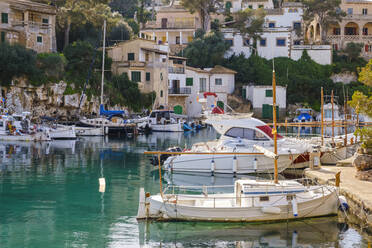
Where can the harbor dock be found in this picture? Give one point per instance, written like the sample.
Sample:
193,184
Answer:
357,192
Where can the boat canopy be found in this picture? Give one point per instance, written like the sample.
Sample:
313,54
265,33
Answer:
304,117
102,111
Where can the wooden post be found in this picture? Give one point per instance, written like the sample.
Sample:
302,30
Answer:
333,118
160,183
275,131
357,122
345,113
286,126
322,115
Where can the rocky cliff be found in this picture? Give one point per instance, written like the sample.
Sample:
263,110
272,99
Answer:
49,100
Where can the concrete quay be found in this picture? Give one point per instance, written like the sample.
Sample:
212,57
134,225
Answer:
358,193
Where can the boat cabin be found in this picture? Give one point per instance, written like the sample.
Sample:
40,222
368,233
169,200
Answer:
163,117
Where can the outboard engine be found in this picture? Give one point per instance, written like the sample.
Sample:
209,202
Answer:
163,157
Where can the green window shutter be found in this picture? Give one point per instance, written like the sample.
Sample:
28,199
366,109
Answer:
269,93
45,21
189,81
4,17
39,39
136,76
130,56
3,34
148,76
244,92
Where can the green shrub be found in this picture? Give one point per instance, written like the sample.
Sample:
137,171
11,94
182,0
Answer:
16,61
52,65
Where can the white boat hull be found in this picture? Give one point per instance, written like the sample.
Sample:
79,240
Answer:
167,127
196,208
224,164
89,131
41,136
63,133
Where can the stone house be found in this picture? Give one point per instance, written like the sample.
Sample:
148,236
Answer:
145,62
355,27
174,26
261,98
28,23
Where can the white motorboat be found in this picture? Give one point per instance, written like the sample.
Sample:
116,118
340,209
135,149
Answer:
327,108
15,129
238,136
90,131
62,132
251,201
164,121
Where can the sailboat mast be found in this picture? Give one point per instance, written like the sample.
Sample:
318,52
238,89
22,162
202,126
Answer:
322,114
333,118
275,130
103,59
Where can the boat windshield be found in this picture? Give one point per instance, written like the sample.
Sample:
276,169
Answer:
268,131
246,133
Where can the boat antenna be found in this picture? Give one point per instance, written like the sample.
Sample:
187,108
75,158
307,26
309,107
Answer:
103,59
274,127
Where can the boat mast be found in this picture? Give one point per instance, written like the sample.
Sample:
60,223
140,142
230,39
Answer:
103,59
333,118
274,130
322,114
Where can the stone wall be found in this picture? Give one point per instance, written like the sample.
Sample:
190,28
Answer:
344,77
47,100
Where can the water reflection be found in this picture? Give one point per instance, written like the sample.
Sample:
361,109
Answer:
49,197
322,232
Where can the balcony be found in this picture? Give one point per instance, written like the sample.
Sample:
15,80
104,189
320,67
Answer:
356,37
176,70
179,91
132,64
170,25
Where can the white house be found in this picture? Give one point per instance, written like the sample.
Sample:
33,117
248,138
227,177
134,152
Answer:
236,5
261,98
281,37
218,80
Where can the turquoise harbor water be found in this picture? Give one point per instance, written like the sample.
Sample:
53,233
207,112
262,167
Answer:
49,197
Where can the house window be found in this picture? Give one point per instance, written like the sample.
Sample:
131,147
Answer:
203,84
336,31
250,6
228,5
189,81
269,93
4,17
365,31
246,42
148,76
280,42
39,39
350,11
263,42
260,6
136,76
45,21
297,25
350,31
3,34
264,198
147,57
161,76
161,93
365,11
297,42
335,47
230,42
218,81
130,56
271,24
178,39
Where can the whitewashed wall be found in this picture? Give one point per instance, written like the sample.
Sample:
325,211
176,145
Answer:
322,54
257,95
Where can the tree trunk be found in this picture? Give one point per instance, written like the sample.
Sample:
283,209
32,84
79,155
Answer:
67,32
323,34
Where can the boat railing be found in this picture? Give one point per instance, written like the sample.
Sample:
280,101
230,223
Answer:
266,188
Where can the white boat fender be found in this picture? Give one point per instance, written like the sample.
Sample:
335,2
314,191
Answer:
255,164
141,214
102,184
270,210
294,238
343,203
294,207
213,167
235,165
